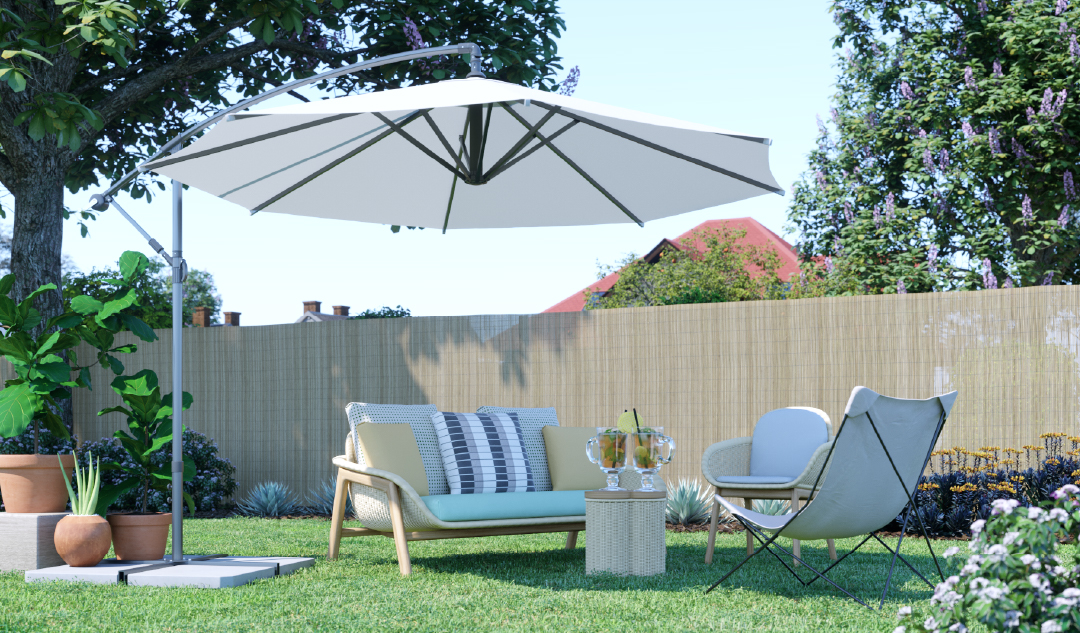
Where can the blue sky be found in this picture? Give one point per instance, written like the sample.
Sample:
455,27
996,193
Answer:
753,67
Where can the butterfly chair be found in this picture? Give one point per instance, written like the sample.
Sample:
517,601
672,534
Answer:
880,451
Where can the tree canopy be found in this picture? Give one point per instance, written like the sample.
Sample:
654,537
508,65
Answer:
949,158
89,88
713,265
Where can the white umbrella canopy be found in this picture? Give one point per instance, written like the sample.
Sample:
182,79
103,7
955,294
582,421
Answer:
471,153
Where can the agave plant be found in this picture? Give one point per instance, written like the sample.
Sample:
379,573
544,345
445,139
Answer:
85,501
320,499
774,507
269,499
688,503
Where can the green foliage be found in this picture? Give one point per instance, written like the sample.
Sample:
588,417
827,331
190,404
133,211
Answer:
951,147
46,365
773,507
320,499
385,312
84,502
689,503
152,292
112,81
149,419
1014,579
269,499
722,268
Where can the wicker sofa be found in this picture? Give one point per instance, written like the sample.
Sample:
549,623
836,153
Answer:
386,505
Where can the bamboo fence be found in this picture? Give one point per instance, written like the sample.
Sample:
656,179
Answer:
274,396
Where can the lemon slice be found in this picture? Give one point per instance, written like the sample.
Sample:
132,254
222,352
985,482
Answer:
626,422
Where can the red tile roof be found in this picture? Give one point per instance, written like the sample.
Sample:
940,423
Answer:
756,235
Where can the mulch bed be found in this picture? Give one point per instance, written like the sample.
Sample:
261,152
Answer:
704,527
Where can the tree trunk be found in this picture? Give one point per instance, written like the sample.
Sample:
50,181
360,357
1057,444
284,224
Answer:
39,234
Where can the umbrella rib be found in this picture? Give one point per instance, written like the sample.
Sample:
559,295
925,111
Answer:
665,150
249,141
420,146
498,166
446,143
532,149
407,120
579,170
453,185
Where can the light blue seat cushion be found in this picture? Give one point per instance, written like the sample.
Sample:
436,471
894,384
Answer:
507,505
784,441
754,480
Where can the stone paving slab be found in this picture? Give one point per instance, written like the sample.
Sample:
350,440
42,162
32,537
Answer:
217,573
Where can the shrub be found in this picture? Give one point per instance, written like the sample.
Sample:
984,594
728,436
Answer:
320,499
213,481
774,507
963,484
269,499
1013,580
688,503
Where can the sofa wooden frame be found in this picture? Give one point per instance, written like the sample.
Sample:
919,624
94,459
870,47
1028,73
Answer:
402,538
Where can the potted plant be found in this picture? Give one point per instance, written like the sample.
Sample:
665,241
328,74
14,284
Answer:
83,538
46,370
141,535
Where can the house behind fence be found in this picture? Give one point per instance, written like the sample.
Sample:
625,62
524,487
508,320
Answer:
274,396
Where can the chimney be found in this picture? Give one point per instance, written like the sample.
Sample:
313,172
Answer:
312,306
341,310
232,318
202,316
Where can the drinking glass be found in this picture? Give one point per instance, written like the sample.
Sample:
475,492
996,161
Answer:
648,443
611,443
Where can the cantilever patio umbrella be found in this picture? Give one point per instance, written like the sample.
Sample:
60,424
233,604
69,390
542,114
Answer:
468,153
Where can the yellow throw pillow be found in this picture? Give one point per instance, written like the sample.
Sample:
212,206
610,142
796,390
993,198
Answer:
392,447
570,469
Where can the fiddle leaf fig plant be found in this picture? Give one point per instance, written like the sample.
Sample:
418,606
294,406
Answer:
149,419
44,358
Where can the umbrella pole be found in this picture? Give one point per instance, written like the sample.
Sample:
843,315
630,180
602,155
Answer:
178,274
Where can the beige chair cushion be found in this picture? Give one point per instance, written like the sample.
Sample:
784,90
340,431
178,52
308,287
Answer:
393,447
570,469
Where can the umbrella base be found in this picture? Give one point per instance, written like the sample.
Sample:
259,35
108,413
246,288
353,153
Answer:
210,572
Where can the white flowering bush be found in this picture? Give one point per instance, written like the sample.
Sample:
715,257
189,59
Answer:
1013,580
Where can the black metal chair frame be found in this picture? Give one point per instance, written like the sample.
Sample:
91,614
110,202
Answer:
769,542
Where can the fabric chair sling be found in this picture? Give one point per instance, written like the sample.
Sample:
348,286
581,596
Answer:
881,449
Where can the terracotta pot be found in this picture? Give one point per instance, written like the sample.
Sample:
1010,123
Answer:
140,536
82,541
34,483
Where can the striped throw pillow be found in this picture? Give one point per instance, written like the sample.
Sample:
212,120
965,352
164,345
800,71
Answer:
483,452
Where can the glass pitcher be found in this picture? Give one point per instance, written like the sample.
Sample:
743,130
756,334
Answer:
611,444
648,453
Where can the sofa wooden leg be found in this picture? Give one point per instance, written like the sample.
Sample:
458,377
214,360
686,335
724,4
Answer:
714,523
571,540
795,542
338,517
401,543
749,503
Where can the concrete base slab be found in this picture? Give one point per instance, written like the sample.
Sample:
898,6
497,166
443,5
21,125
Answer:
27,540
216,573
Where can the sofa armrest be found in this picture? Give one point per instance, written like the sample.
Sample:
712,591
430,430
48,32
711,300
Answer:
816,464
730,458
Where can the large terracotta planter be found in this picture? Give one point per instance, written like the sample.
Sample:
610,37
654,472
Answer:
34,483
140,536
82,541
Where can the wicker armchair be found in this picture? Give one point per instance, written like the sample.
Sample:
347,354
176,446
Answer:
735,469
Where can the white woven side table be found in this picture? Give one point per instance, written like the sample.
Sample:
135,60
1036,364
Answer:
624,532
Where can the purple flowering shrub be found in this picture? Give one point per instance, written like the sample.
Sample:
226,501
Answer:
1013,580
213,481
963,485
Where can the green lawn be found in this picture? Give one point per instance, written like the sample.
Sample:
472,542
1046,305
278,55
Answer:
506,583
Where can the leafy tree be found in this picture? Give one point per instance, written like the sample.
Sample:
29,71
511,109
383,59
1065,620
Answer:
92,87
950,156
153,292
723,268
385,312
